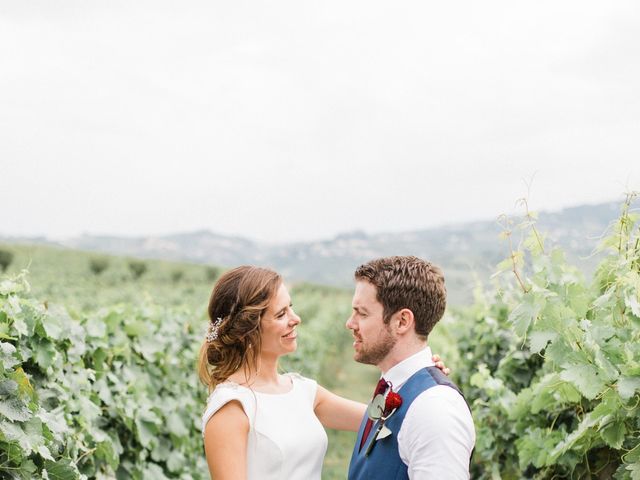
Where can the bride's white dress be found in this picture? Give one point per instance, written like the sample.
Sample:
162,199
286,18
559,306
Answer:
286,439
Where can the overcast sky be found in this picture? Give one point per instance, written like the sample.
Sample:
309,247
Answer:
290,120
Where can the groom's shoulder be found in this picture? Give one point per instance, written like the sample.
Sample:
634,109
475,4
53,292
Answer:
440,410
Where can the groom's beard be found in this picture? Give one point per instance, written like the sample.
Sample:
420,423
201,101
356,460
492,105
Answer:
374,353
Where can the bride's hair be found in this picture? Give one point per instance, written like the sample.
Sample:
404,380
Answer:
237,303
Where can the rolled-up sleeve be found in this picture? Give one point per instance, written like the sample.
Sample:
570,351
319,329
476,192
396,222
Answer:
437,436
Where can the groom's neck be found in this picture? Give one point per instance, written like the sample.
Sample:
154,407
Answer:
400,352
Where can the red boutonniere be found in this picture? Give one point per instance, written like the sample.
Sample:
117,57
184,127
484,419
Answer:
381,408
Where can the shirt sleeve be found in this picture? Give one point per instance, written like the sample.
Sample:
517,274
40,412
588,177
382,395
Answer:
437,435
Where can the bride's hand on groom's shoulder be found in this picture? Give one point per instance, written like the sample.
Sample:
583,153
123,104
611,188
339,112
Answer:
440,364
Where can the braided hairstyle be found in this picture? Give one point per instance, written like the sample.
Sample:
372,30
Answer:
239,299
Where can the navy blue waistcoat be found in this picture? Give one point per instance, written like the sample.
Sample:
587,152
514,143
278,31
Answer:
383,462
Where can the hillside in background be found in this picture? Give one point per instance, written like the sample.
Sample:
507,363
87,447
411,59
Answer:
467,252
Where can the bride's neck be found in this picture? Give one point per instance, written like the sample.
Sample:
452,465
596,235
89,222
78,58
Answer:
265,374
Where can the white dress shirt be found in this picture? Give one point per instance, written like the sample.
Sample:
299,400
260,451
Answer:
437,434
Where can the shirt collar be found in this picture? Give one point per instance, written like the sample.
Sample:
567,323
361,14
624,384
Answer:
401,372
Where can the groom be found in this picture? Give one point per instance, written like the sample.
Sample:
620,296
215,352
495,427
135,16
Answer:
418,425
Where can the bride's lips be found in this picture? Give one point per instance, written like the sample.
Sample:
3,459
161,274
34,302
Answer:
291,335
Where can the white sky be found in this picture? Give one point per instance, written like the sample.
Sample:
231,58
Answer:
290,120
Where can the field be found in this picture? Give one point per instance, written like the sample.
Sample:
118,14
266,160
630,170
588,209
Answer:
97,376
167,301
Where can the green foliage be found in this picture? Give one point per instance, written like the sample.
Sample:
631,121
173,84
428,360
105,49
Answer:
110,390
212,273
97,265
100,395
6,257
176,275
551,363
137,268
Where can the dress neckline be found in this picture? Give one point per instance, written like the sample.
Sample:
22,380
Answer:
291,376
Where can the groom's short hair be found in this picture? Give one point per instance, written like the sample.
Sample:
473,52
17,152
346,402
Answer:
407,282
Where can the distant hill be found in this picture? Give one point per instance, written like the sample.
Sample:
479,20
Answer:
466,251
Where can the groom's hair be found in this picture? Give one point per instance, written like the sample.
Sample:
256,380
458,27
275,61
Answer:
407,282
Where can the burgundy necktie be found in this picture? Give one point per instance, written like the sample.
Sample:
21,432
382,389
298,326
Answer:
380,389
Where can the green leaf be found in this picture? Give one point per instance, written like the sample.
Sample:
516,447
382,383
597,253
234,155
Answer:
7,355
14,409
147,432
14,433
523,315
627,387
20,327
45,354
7,387
631,301
105,451
539,340
614,434
61,470
584,429
44,452
136,328
176,426
585,378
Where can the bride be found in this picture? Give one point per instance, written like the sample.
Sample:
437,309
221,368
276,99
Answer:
259,424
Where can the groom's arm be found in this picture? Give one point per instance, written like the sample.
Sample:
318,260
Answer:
437,436
337,412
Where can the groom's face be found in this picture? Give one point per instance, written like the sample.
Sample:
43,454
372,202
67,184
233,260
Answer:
373,339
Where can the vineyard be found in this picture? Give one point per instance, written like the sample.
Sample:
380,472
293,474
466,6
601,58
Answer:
97,363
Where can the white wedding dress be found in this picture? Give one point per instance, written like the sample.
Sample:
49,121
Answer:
286,440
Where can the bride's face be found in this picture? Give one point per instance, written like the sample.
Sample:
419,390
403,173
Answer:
279,324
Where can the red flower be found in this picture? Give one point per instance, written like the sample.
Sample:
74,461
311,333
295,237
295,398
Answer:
392,401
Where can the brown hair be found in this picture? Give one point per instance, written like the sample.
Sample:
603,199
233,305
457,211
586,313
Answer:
407,282
239,299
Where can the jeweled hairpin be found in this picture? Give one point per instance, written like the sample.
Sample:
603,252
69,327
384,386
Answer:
212,330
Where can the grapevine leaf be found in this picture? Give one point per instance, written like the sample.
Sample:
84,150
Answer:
45,354
627,387
539,340
585,378
13,306
147,432
614,434
44,452
20,327
176,426
52,327
106,451
7,387
635,470
14,433
584,428
154,471
7,357
14,409
522,316
61,470
24,386
631,301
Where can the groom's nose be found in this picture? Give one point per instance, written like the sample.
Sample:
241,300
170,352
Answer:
349,323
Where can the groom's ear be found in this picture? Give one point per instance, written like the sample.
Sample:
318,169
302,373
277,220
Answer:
406,321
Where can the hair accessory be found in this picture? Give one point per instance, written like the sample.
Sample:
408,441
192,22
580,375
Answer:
212,331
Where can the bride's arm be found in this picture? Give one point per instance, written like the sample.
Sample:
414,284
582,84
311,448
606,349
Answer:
337,412
225,443
341,413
